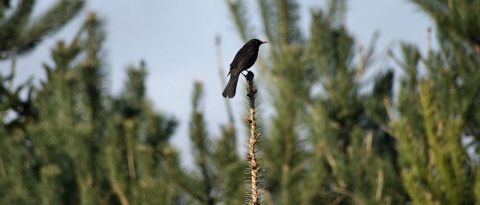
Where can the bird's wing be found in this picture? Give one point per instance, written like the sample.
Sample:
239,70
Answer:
240,57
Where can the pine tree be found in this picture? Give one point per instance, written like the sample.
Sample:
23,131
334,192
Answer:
83,146
137,152
20,32
349,127
438,108
325,143
289,72
216,175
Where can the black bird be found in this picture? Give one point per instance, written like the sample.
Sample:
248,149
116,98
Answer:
244,59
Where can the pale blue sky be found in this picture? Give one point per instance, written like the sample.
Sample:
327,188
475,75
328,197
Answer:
176,39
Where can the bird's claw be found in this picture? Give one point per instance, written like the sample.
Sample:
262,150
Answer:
249,75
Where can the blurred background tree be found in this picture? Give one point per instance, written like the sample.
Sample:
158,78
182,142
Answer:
437,125
217,177
21,32
339,131
69,141
326,143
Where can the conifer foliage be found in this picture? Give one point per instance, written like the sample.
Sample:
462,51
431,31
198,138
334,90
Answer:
73,143
438,127
20,32
329,143
337,130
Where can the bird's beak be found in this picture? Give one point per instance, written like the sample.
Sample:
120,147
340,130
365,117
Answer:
263,42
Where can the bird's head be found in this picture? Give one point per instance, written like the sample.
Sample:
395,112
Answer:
256,42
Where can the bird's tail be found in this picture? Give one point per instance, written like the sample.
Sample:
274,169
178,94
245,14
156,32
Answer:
231,87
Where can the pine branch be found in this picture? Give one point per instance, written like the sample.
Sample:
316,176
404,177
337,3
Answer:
201,146
253,197
22,31
238,11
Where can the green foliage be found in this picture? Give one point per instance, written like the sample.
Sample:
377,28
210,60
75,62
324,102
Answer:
325,142
348,127
137,150
20,32
217,166
72,143
438,110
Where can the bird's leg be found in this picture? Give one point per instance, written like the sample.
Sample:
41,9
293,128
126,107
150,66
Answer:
244,74
249,76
